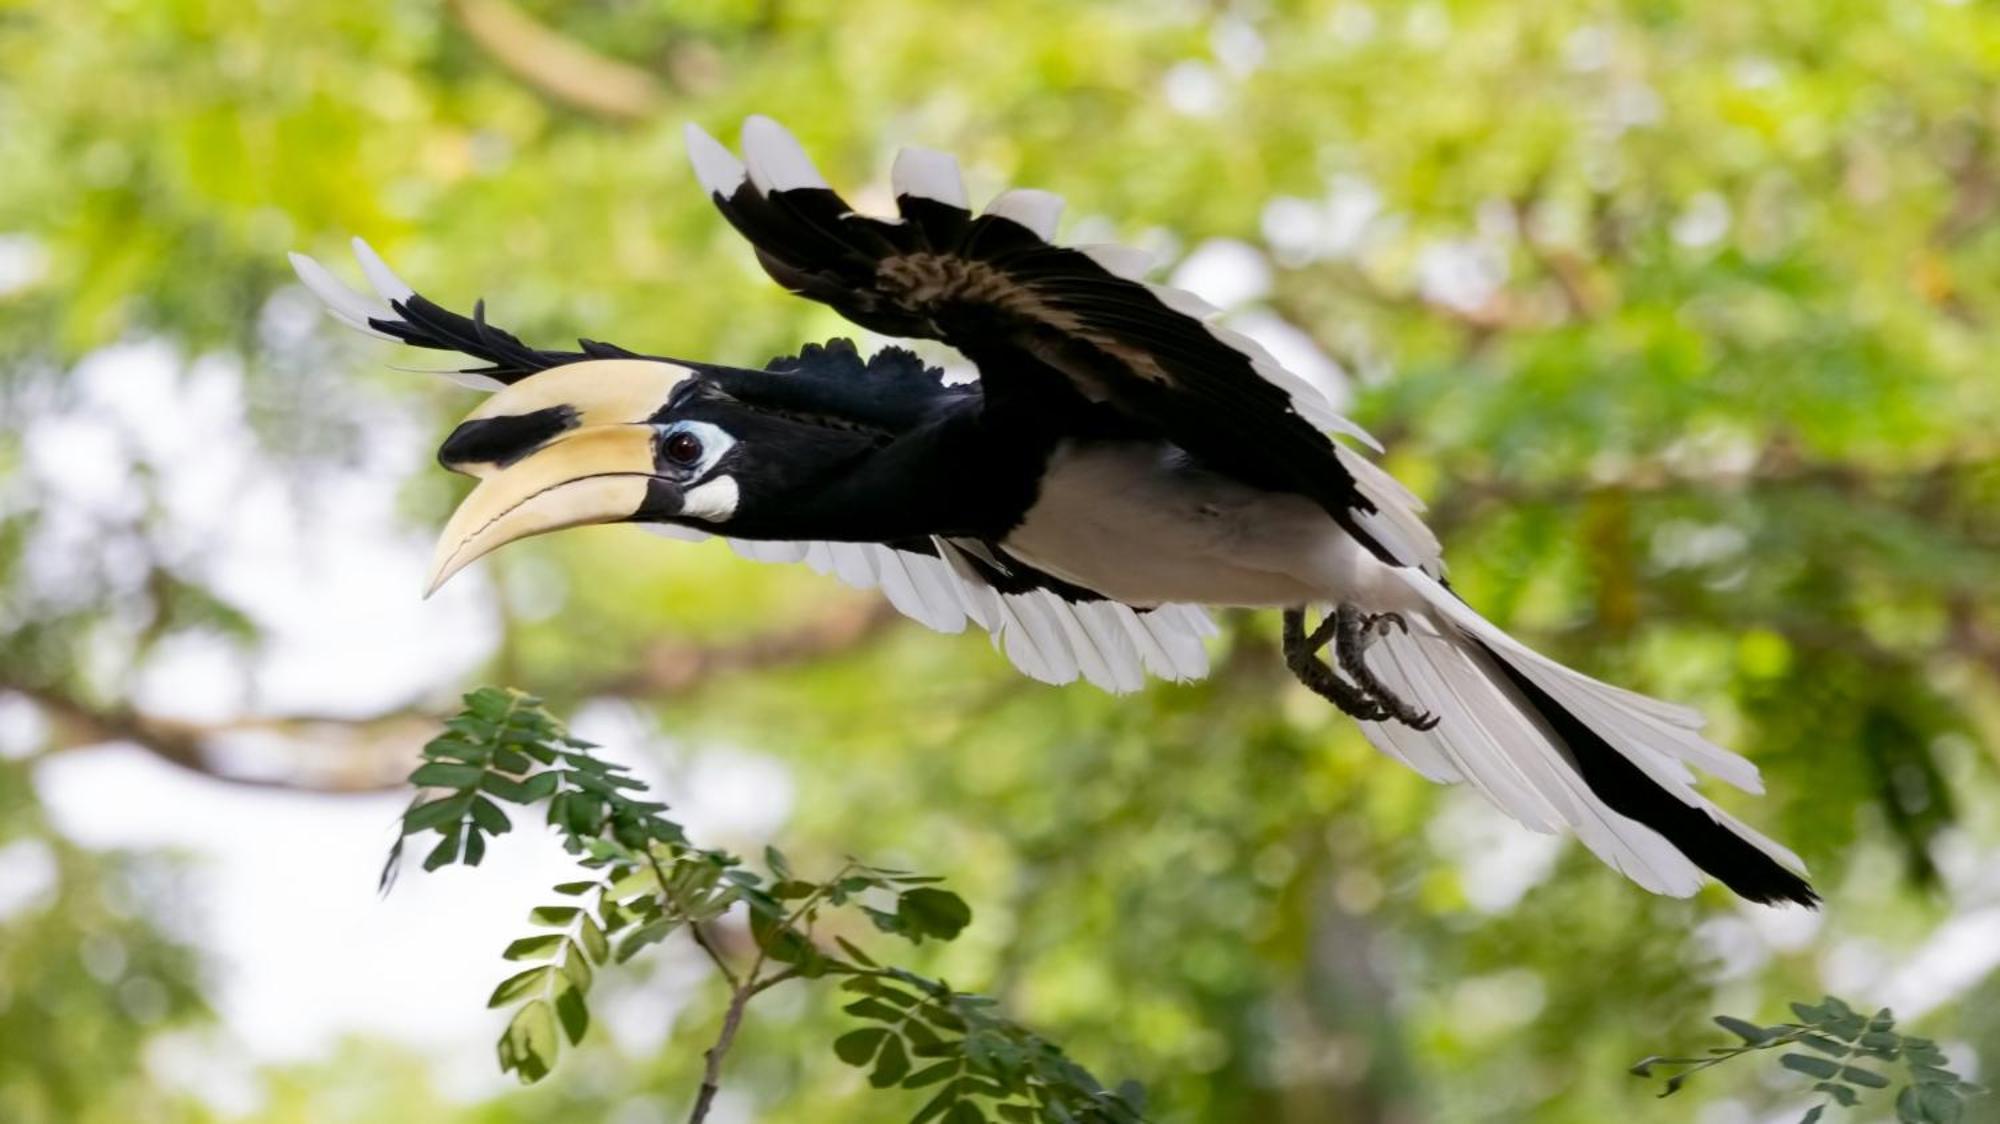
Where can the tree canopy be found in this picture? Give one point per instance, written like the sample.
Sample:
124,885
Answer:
1682,316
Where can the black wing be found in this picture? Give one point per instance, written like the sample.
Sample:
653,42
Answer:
1051,327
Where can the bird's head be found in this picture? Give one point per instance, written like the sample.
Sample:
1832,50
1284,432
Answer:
622,441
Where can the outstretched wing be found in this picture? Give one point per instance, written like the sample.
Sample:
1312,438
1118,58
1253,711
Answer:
1052,631
397,312
1049,325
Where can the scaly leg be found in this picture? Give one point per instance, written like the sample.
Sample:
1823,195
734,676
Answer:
1354,631
1302,656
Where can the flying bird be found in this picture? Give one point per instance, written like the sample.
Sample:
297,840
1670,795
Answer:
1121,461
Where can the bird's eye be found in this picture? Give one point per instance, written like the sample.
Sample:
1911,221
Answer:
683,448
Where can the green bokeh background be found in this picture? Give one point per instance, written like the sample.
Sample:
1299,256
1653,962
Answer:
1719,422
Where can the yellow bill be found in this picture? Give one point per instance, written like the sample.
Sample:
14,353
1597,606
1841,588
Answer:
597,474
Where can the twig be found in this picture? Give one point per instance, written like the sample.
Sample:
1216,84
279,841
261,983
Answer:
711,1074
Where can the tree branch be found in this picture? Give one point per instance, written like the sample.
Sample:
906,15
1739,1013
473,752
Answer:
338,754
558,67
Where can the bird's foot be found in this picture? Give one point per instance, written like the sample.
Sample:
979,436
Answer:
1366,697
1354,631
1302,656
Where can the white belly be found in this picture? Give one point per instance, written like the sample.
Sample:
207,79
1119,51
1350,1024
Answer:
1135,522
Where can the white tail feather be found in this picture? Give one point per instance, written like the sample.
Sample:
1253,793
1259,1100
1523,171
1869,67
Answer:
1493,737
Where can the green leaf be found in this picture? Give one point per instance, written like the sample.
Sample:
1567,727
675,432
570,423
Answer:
594,942
528,1046
1823,1044
576,966
1940,1104
489,817
573,1012
475,848
519,984
576,889
438,774
1748,1031
965,1112
1866,1078
873,1009
933,912
859,956
892,1064
555,915
509,789
857,1047
931,1074
1809,1065
774,859
644,935
940,1103
535,947
1847,1097
435,814
445,851
1813,1114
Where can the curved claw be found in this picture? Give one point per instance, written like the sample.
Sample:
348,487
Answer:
1354,631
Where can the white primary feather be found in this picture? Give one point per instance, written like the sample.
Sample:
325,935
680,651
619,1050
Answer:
1112,645
1129,262
715,167
387,285
775,159
342,303
757,550
928,174
1184,302
355,310
1039,211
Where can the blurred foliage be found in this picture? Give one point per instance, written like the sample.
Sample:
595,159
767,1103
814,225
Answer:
1681,313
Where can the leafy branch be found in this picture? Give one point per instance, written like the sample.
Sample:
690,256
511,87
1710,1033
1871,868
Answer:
647,882
1841,1039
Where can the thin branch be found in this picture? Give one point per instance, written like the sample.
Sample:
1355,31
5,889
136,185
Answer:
711,1075
668,669
371,753
558,67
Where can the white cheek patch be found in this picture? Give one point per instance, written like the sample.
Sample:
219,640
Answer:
713,502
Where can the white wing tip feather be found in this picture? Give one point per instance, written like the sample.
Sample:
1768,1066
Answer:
775,159
1039,211
1128,262
927,173
715,167
387,285
1186,303
342,303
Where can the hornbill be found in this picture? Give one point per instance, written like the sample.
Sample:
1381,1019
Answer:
1120,460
